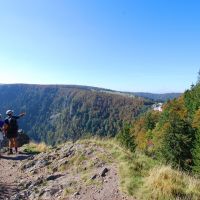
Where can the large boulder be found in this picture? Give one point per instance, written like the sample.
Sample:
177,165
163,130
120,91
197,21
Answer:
22,139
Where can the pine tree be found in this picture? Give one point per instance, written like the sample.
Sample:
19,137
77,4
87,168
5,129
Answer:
198,78
196,153
126,138
178,142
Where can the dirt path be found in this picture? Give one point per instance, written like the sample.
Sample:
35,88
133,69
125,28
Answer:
73,172
9,174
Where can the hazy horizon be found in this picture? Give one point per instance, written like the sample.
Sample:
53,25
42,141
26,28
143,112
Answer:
88,86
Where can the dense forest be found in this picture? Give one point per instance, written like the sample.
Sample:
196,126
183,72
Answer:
172,135
59,113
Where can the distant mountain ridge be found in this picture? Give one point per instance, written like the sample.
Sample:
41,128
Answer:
158,97
56,113
152,96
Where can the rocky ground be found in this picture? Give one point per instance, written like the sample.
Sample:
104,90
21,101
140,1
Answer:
69,172
9,174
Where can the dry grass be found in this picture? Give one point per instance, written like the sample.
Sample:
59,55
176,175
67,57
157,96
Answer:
165,183
35,147
70,189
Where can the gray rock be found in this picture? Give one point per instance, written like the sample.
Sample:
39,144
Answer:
32,196
94,177
76,193
18,197
55,169
61,162
31,157
53,177
103,172
49,192
67,151
28,165
37,182
27,184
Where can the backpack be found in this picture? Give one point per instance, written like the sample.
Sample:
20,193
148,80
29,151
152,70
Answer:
12,126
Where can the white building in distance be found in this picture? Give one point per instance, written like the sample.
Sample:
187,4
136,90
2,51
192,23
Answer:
157,107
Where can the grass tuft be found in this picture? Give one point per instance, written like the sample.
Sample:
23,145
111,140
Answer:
165,183
35,148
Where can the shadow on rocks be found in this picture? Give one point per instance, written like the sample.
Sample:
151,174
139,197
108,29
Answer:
6,191
15,157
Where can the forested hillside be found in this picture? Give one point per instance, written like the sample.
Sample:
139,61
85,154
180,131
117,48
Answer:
174,134
58,113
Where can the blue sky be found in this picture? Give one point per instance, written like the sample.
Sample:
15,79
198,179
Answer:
129,45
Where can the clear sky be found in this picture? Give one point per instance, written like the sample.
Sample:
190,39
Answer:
129,45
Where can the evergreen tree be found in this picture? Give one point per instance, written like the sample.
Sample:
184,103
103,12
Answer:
198,78
127,139
196,153
178,142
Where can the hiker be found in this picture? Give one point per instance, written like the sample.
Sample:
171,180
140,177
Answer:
1,132
11,129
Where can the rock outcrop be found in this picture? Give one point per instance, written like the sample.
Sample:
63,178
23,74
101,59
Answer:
72,171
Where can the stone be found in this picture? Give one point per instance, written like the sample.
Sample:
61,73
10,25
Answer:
103,172
53,177
94,177
76,193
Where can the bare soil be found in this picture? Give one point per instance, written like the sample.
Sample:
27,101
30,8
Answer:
9,174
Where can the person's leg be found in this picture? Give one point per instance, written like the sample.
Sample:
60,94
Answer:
10,145
15,144
0,146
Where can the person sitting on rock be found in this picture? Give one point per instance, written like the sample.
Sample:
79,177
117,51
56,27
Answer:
11,129
1,132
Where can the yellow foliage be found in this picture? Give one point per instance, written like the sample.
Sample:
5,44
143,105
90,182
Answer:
196,119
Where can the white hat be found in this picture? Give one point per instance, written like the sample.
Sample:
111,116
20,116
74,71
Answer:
9,112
